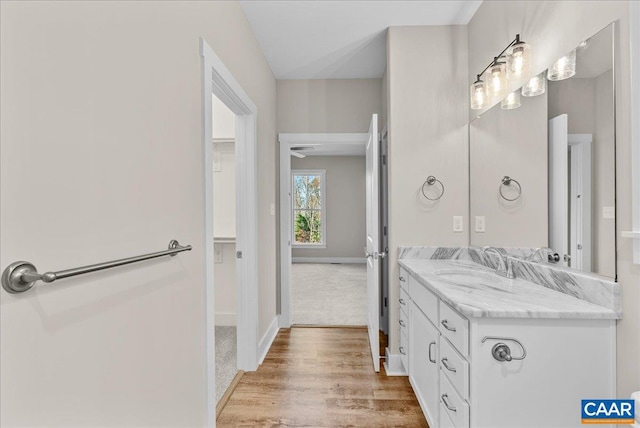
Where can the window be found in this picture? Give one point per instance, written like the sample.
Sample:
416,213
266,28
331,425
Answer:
309,219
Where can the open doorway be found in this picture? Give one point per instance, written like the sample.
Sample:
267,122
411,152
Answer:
224,246
328,273
218,81
305,160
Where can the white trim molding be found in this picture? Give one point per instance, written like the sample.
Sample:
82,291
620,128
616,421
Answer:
393,364
226,318
268,338
217,80
634,234
287,141
341,260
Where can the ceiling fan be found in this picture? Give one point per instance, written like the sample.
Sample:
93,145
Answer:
297,151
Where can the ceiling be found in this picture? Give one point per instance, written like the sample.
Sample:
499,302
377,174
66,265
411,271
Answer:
340,39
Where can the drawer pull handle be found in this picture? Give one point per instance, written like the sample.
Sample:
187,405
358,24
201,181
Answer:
445,363
402,302
402,279
402,323
402,350
445,324
445,400
433,360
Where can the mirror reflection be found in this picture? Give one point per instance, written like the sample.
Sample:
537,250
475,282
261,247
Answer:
542,162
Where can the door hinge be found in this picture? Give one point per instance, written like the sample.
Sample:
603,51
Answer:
385,302
384,230
384,159
238,254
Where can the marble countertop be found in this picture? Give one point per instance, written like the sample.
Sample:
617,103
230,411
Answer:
476,291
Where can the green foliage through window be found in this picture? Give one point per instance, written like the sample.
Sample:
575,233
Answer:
307,208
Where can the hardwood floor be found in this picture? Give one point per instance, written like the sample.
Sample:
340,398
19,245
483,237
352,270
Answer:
321,377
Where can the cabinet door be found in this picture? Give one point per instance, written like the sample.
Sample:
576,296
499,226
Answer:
423,367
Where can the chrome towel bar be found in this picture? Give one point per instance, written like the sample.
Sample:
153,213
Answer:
19,277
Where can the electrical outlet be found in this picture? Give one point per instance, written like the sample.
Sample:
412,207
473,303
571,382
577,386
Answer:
609,212
480,224
457,223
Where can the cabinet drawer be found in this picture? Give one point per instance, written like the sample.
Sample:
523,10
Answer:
404,301
455,368
404,351
445,420
454,327
424,299
452,404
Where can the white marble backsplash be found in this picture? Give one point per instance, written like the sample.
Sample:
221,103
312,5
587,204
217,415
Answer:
582,285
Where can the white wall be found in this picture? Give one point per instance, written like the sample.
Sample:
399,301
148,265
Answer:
336,105
427,88
101,158
512,143
552,29
345,205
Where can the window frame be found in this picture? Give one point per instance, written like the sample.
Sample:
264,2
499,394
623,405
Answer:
323,208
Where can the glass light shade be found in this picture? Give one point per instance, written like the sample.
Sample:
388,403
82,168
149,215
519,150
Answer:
563,68
519,60
478,94
496,78
511,101
537,85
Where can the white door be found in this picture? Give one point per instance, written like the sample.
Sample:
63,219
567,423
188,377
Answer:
559,187
372,248
580,199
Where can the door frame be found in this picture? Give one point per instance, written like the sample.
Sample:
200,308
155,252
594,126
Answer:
217,80
287,141
579,146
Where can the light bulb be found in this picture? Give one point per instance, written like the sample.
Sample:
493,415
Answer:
496,80
478,95
518,60
563,68
511,101
537,85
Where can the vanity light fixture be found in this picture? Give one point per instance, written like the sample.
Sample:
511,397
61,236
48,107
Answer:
537,85
563,68
514,61
511,101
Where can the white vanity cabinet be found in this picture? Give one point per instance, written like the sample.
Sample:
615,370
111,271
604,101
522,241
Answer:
454,368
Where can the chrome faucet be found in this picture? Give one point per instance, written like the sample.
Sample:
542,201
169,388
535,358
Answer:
505,267
539,253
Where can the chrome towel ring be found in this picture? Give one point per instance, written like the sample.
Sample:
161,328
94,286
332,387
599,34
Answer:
506,181
431,180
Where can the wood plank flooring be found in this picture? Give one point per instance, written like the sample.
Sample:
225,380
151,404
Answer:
321,377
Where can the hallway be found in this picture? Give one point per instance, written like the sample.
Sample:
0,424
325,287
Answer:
321,377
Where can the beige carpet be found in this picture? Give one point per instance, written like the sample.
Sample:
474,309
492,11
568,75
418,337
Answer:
329,294
226,359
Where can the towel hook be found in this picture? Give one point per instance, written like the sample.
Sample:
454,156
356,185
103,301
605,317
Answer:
431,180
506,181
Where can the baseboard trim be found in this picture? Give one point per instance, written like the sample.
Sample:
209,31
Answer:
329,260
393,364
227,394
226,319
267,339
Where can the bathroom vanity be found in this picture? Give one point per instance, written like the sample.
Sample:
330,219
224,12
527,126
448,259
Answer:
482,350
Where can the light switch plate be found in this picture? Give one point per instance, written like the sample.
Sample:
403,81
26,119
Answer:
272,209
480,224
457,223
609,212
217,253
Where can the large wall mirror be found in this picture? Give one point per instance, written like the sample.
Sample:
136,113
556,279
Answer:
542,174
